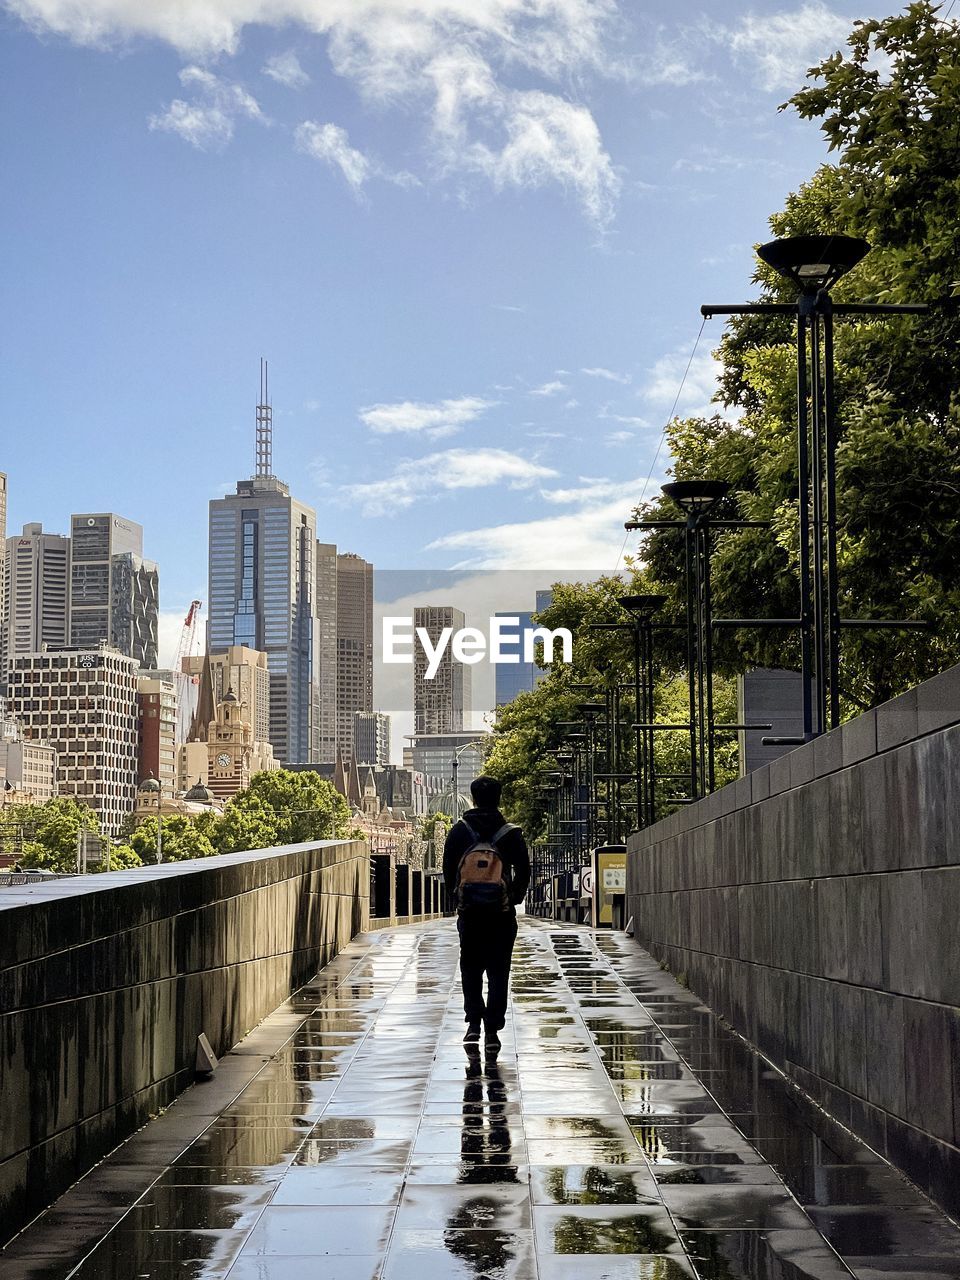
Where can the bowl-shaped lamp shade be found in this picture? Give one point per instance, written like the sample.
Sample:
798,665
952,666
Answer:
696,497
642,606
814,262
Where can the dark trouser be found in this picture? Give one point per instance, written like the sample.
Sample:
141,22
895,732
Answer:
486,946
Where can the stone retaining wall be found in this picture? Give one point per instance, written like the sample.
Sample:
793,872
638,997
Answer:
106,982
815,903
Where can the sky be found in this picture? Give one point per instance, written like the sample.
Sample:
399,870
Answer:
470,236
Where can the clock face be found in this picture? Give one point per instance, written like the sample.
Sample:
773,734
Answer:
223,760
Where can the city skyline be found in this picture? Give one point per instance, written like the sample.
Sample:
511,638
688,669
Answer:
480,371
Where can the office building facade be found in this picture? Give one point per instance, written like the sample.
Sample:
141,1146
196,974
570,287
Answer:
354,646
246,673
37,605
262,565
157,730
114,592
83,702
441,705
28,770
326,611
371,737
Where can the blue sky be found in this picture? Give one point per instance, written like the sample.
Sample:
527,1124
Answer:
470,236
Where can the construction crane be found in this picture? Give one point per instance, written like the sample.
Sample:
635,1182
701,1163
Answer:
186,682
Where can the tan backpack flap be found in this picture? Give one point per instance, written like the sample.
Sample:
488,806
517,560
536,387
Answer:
481,864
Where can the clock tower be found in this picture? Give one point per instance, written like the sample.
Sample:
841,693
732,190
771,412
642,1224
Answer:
229,749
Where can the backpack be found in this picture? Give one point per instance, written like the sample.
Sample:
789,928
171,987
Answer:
481,875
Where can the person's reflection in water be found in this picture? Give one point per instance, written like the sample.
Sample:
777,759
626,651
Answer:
486,1159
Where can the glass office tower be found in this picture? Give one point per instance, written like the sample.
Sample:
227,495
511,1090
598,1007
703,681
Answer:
262,595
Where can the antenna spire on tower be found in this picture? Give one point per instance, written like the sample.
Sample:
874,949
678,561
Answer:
264,426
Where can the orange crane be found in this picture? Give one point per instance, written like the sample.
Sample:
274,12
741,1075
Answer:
186,683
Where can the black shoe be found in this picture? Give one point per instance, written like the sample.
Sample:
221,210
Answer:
472,1038
491,1042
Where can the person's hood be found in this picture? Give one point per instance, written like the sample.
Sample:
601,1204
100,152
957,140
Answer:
485,822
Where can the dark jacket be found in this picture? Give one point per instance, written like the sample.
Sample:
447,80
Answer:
512,849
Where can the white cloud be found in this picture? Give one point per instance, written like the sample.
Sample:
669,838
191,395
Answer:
444,418
608,375
285,68
330,143
619,437
417,479
782,46
169,631
548,389
207,122
449,57
699,387
550,140
591,536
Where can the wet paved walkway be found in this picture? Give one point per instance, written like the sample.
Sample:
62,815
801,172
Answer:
623,1133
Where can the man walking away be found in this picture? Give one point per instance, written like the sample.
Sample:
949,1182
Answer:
486,868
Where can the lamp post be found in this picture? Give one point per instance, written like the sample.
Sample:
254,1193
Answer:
814,264
591,711
641,610
696,499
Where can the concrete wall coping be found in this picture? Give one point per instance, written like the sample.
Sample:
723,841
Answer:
102,882
924,710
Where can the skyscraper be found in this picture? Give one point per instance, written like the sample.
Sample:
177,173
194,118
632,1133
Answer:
326,611
371,737
440,705
512,678
84,704
113,590
354,646
262,573
37,606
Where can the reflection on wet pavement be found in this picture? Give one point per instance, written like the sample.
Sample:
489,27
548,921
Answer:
623,1133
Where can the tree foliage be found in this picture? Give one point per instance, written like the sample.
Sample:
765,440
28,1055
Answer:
277,808
889,106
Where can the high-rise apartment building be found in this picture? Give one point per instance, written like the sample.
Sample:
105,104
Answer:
440,704
263,554
371,737
83,702
37,607
113,590
354,646
326,611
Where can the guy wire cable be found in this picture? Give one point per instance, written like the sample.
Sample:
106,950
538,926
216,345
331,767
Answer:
663,436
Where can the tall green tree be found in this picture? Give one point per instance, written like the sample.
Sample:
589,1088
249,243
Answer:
889,106
283,807
50,831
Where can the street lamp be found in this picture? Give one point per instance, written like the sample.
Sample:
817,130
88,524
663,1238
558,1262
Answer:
814,264
154,787
697,499
641,609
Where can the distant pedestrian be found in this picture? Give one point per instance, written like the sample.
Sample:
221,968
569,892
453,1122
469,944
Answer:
486,868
